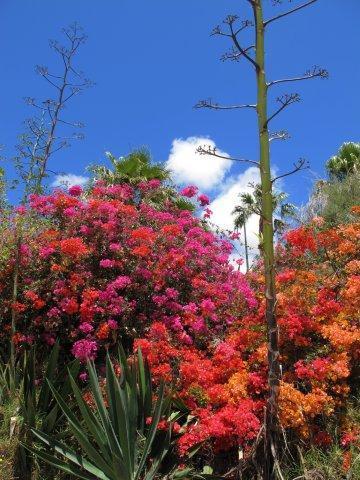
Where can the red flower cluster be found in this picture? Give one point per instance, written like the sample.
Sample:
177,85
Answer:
112,266
108,264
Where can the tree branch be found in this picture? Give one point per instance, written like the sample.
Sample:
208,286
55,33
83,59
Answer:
215,106
302,164
315,72
296,9
229,20
239,47
234,55
209,150
244,24
285,101
280,135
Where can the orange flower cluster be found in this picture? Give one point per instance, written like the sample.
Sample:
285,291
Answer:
319,310
318,305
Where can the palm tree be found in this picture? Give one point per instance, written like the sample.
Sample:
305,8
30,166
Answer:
251,204
134,169
345,162
137,168
242,216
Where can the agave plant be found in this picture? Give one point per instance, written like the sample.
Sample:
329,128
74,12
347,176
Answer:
37,406
9,381
118,438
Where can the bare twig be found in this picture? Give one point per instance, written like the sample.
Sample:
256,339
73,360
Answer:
280,135
230,20
41,140
234,55
215,106
301,164
285,101
209,150
314,72
289,12
240,48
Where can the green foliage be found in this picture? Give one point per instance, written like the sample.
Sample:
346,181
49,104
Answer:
9,381
37,406
114,439
319,464
340,197
183,204
251,204
334,462
134,168
333,200
345,162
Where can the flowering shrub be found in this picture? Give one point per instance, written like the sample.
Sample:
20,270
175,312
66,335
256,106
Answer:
225,385
110,266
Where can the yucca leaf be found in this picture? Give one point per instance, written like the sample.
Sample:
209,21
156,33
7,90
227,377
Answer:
104,416
134,414
72,370
142,381
148,393
29,408
44,396
152,431
120,469
54,416
65,467
111,395
183,473
119,415
143,390
164,448
50,420
91,421
78,432
123,362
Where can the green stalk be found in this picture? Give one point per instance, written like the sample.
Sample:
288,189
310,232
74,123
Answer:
246,248
267,249
13,311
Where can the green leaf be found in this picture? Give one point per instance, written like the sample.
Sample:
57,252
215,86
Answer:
104,417
157,461
73,457
152,431
78,432
65,467
44,396
91,421
119,416
183,473
207,470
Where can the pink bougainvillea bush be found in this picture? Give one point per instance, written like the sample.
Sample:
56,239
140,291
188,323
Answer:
107,265
319,317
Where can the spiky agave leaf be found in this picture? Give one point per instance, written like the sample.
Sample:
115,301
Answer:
114,438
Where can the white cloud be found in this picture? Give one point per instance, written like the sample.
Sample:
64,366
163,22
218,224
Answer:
187,166
223,205
68,180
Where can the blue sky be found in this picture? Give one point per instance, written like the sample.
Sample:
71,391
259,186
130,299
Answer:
152,60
